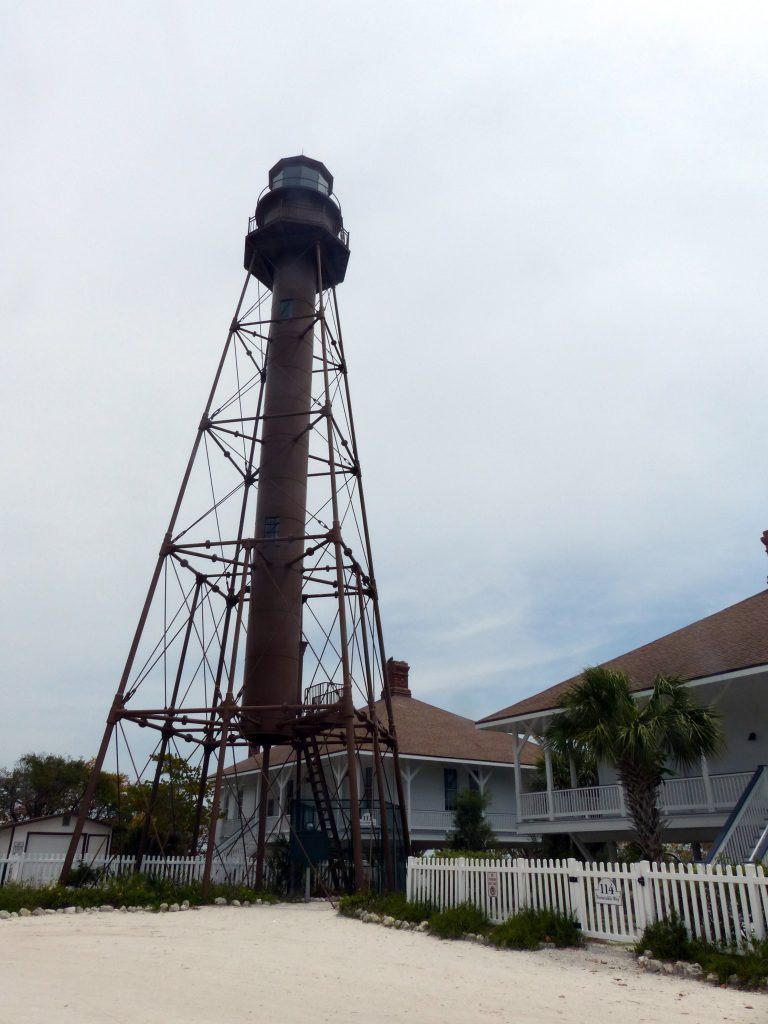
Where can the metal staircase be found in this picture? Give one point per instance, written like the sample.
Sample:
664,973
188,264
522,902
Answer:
337,862
744,837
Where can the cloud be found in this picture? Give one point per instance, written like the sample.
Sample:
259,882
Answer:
552,317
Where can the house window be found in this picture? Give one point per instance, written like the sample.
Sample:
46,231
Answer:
288,796
286,309
451,787
270,807
368,787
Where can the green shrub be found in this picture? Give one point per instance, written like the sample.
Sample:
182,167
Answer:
83,874
472,831
357,901
393,904
749,965
666,939
462,920
530,928
128,890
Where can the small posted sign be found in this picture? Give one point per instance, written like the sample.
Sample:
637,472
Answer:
492,884
607,891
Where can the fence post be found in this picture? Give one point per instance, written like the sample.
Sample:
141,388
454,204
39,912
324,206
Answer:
645,887
576,881
409,880
639,885
755,905
521,884
461,881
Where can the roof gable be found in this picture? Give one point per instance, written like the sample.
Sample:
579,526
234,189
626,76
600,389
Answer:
732,639
427,731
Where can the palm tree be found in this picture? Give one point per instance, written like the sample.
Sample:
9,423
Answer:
639,738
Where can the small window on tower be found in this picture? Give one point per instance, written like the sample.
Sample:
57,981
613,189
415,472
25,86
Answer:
271,527
286,309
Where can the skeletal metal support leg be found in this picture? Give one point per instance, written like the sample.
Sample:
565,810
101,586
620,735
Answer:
215,802
263,799
90,789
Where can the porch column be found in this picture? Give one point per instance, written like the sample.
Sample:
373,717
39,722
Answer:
707,783
282,810
339,771
572,770
481,777
409,773
516,746
550,780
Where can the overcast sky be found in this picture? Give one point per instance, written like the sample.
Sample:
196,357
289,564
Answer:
554,314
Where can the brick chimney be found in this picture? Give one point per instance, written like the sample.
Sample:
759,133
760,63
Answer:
397,674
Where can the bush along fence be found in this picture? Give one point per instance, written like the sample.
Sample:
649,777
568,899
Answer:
721,904
44,869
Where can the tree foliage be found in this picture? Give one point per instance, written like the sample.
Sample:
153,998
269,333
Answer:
43,784
584,762
50,784
471,828
170,828
639,738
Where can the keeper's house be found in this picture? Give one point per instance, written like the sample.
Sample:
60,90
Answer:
440,754
724,660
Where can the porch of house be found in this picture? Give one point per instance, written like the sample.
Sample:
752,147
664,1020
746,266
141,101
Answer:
699,802
428,827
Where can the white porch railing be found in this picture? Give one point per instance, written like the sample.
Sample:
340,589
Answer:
727,789
438,823
694,795
430,818
586,802
433,820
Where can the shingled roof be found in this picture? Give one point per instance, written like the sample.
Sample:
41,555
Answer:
424,730
728,641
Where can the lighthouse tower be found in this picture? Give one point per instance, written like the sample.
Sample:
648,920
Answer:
261,631
296,248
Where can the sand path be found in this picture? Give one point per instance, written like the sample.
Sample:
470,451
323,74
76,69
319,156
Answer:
292,963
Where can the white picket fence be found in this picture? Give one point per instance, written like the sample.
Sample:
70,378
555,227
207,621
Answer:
44,869
609,901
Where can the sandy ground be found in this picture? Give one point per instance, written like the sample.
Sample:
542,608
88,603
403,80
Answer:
291,963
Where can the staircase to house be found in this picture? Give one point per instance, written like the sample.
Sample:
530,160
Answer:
744,837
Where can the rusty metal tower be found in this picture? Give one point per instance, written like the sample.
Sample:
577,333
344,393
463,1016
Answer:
261,625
